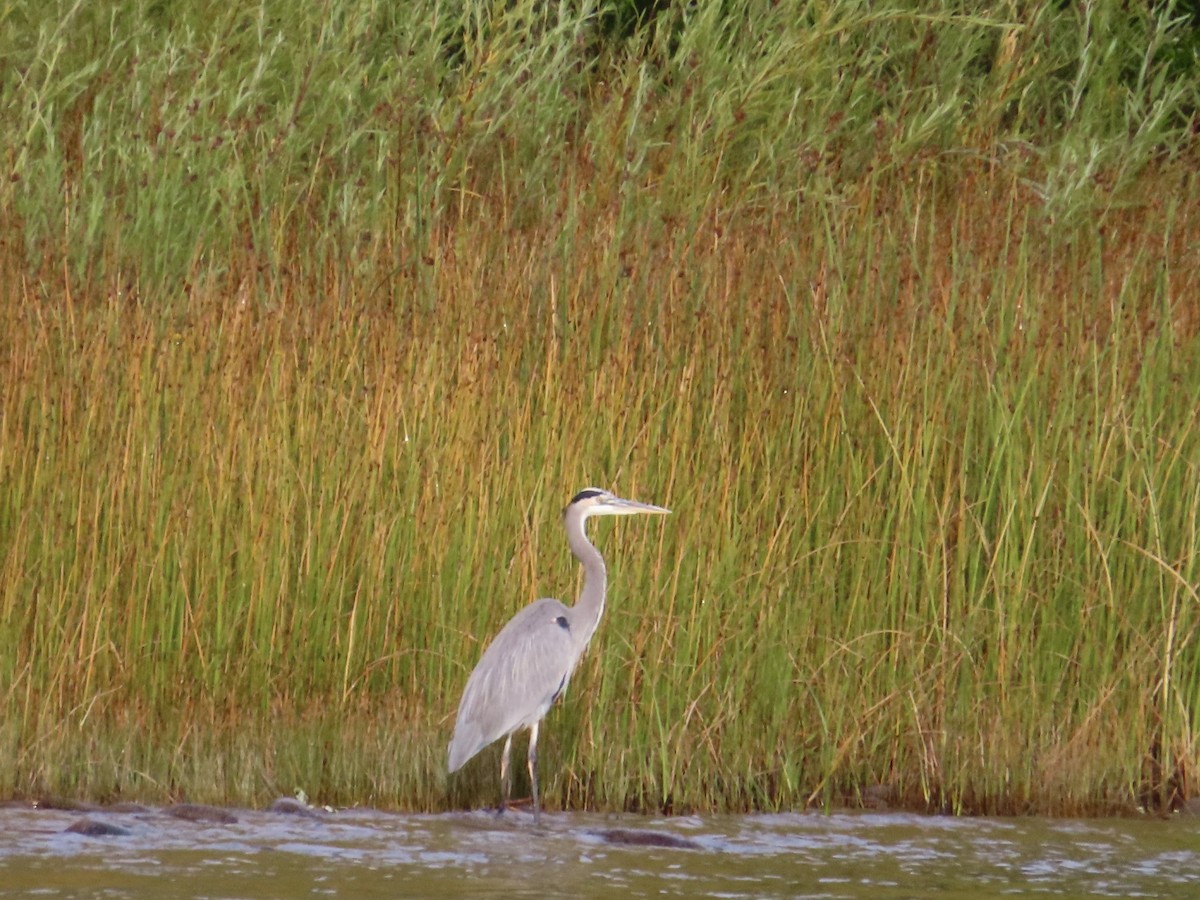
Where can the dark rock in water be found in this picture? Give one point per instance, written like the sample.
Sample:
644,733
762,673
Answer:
198,812
94,828
638,838
290,806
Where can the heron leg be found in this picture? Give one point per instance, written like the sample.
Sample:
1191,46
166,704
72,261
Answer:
505,773
533,785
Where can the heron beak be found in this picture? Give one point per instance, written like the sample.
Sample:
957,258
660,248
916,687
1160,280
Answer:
629,507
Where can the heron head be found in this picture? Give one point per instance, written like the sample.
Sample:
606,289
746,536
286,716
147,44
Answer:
596,502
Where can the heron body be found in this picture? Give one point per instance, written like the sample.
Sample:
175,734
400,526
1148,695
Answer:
529,663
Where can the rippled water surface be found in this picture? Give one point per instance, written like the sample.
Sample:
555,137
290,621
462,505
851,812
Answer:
365,853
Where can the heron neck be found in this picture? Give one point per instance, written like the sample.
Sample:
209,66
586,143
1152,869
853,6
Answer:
590,605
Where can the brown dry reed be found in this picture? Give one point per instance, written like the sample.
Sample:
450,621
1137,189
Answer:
312,321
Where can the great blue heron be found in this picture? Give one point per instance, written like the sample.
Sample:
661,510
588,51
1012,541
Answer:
528,664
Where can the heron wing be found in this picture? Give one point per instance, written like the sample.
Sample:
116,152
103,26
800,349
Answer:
521,673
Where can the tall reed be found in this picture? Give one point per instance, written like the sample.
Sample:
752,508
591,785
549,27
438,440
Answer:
312,322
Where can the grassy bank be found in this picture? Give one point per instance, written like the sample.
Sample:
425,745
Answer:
310,327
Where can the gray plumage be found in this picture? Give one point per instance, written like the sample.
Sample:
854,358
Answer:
529,663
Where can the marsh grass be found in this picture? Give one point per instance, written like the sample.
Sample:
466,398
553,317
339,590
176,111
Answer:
313,322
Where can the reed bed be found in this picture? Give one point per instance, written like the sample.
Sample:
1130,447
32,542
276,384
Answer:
312,320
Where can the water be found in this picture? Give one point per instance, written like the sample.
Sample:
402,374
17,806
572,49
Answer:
365,853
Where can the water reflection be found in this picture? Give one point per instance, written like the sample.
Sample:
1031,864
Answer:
368,853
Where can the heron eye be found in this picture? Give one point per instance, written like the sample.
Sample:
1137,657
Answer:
561,622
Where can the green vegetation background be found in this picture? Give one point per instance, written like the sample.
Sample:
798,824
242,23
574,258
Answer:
313,316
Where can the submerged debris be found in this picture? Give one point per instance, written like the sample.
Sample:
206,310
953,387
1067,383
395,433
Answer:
637,837
290,806
126,807
198,812
66,804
